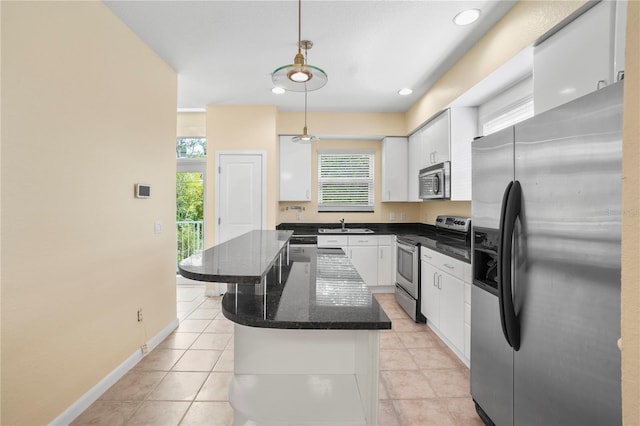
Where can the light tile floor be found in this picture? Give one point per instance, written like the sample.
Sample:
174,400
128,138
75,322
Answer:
185,379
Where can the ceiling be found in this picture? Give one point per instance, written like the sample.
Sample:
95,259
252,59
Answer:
224,51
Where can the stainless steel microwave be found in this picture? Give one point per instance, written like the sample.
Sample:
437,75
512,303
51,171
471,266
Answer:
435,182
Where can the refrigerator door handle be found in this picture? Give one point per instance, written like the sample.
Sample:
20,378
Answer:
512,212
501,259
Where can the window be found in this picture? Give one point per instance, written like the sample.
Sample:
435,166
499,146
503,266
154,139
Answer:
191,148
514,113
345,181
508,107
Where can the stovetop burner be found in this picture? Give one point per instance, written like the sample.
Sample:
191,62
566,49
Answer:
451,237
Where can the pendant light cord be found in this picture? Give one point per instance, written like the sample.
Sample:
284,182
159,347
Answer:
299,27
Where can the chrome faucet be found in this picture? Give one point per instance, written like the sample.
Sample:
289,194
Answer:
342,222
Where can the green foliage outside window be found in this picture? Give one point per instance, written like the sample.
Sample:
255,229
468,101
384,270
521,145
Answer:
189,213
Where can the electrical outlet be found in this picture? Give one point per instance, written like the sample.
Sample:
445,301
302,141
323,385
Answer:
392,216
144,349
140,315
298,216
403,216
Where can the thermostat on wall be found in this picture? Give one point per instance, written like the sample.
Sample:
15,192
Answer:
143,190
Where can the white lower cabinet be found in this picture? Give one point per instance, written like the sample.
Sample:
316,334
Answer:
467,312
452,309
371,255
443,299
363,258
430,298
386,262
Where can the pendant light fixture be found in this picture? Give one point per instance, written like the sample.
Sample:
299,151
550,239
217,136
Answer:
299,76
305,138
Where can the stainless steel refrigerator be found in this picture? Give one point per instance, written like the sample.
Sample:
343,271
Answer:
545,304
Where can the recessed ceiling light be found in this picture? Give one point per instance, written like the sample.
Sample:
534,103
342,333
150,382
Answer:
278,90
466,17
405,92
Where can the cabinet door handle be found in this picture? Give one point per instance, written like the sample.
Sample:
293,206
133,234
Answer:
388,195
435,277
439,282
600,84
620,75
427,256
449,266
381,254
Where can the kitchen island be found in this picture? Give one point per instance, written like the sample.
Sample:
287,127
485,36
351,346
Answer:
306,345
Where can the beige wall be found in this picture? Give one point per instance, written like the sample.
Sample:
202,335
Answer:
522,25
381,210
355,125
87,111
192,124
359,131
519,28
631,224
241,128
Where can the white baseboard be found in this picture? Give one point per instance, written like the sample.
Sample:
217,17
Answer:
101,387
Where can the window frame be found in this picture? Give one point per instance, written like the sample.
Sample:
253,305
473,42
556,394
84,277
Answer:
323,206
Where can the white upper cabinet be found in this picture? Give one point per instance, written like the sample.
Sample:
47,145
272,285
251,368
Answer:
395,156
464,127
447,137
295,170
435,139
415,164
580,58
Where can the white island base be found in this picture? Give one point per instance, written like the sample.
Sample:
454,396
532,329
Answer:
305,377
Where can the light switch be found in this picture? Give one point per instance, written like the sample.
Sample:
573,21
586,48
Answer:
157,227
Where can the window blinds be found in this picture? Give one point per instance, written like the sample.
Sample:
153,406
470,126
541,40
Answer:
345,180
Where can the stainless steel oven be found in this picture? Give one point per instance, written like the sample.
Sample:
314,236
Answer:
408,278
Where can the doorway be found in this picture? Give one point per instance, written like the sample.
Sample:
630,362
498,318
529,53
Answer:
191,166
240,194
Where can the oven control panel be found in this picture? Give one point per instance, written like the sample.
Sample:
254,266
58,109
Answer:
454,223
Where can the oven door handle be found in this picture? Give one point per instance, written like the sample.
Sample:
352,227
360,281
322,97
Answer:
407,247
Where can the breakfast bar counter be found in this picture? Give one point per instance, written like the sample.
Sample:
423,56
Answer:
306,334
245,259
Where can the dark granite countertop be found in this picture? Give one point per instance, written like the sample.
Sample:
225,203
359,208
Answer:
425,235
320,290
242,260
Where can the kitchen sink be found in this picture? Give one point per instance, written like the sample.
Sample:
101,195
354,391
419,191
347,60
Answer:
345,231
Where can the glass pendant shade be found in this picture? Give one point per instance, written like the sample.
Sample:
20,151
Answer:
299,76
296,78
304,138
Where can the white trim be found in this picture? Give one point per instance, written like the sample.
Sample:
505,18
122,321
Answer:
110,379
263,156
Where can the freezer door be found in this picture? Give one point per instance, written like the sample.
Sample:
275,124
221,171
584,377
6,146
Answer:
567,263
491,356
491,359
491,171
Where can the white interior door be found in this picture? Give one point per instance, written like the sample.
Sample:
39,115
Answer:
240,195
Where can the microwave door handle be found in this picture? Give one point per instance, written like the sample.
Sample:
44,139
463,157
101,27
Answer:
436,182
